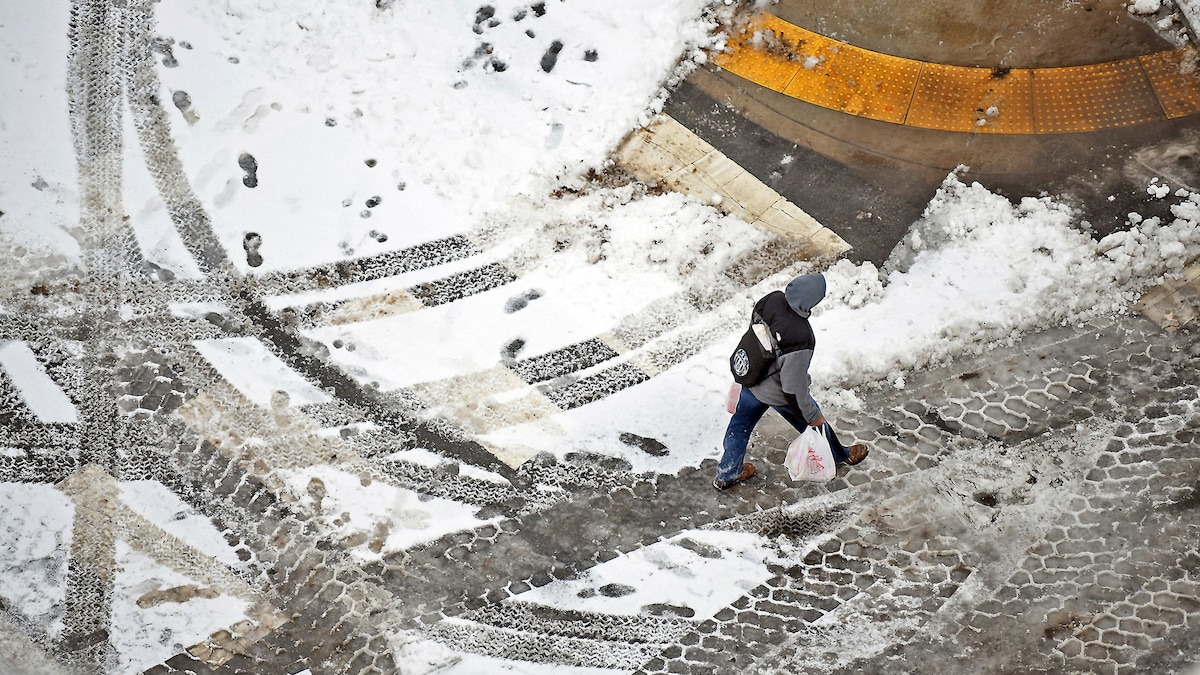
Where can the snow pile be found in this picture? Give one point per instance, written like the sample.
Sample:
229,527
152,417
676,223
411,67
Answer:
1143,255
977,271
1144,6
852,285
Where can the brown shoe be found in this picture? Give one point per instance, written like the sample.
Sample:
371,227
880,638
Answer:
858,452
747,471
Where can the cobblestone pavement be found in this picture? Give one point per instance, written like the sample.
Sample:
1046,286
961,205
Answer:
962,563
951,562
933,556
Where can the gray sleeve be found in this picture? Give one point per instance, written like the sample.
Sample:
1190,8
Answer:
793,376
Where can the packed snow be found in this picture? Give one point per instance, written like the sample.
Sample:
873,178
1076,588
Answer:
38,522
43,397
674,573
153,622
336,130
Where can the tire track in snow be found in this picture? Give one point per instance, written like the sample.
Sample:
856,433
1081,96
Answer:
153,127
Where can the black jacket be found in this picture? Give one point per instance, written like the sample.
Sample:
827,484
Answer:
787,382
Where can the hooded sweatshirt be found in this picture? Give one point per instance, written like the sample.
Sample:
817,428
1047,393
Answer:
787,382
804,292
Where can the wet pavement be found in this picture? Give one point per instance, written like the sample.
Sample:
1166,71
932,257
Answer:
810,153
944,552
991,33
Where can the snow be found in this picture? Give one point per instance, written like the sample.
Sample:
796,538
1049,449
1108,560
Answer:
37,524
405,104
372,130
257,373
426,458
977,271
591,261
469,664
157,237
45,398
373,518
694,389
154,502
678,573
148,629
37,195
1144,6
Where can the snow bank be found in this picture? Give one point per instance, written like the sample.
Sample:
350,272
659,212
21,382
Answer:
978,271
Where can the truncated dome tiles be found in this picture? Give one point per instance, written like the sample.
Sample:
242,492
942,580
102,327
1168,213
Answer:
819,70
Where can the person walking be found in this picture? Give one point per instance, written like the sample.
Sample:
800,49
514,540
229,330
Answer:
786,384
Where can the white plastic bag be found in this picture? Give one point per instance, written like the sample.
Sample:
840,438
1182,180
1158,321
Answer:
809,456
731,399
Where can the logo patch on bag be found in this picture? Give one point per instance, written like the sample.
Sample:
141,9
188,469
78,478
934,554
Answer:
740,363
754,354
816,464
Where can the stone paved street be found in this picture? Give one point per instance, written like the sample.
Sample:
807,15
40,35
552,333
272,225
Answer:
954,563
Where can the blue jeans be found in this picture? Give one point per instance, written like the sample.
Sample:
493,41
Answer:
749,411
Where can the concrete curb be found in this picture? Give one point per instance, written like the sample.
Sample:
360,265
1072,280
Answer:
667,152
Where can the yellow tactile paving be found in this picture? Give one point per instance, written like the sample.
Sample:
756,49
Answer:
822,71
1086,98
856,81
1176,81
953,98
770,53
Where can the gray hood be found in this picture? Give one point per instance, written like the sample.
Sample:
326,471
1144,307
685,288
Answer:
804,292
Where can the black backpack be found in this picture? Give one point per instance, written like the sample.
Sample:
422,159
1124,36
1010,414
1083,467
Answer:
755,352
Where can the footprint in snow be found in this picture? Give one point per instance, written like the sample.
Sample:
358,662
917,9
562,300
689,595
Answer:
251,242
250,165
511,349
617,590
650,446
485,17
183,101
550,58
521,301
